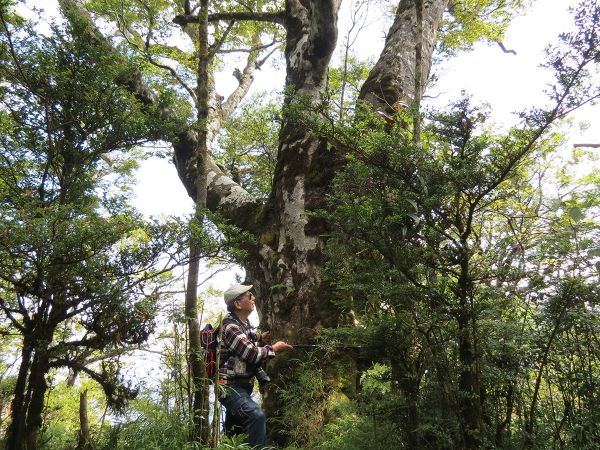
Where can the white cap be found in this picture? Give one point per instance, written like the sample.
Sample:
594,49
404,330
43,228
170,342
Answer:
235,291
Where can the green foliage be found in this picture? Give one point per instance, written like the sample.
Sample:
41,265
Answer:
468,275
305,396
471,21
364,423
455,241
79,271
360,432
61,413
407,222
148,425
248,145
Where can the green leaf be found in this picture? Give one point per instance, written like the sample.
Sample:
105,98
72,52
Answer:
415,218
576,214
594,252
413,203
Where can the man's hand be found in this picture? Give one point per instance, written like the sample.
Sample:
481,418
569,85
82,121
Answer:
281,346
265,337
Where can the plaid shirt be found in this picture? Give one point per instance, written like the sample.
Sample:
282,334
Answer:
240,356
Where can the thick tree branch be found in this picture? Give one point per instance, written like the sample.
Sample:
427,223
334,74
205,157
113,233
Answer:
272,17
390,86
224,194
245,79
125,32
14,56
312,36
216,47
8,311
251,49
174,74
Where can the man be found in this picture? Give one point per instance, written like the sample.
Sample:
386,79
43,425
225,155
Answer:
241,360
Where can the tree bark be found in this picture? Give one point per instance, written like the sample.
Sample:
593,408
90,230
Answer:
84,441
37,386
200,430
290,249
31,386
390,86
16,429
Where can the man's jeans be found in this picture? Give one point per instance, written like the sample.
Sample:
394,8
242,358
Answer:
242,411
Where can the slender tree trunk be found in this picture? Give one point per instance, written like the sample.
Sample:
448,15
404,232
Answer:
16,430
469,398
469,408
410,389
531,418
201,427
505,424
198,380
84,441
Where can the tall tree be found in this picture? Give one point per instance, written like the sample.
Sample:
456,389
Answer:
79,270
199,382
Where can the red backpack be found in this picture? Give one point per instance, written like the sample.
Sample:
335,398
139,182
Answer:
209,341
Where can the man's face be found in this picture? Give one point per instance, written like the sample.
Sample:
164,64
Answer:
246,303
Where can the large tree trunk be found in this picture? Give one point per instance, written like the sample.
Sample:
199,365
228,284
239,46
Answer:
27,407
38,387
31,386
286,270
286,266
294,304
392,84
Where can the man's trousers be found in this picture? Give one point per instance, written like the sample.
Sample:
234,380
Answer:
243,412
